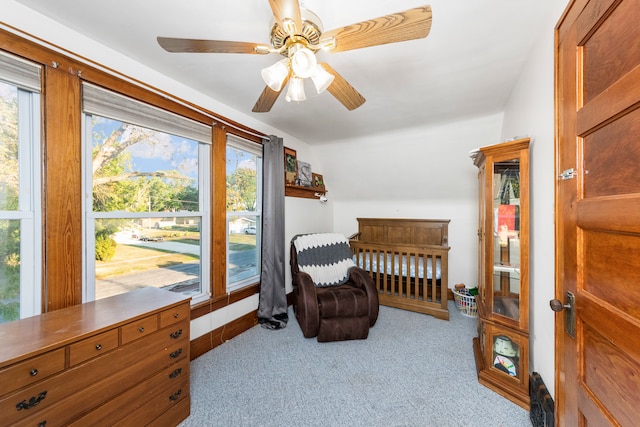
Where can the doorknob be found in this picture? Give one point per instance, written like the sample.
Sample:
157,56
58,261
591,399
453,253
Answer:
570,317
557,306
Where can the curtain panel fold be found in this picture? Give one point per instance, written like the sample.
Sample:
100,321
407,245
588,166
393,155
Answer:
272,307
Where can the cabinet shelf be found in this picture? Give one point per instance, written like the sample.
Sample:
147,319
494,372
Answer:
303,192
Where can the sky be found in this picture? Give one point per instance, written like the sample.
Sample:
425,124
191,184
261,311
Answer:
169,152
164,152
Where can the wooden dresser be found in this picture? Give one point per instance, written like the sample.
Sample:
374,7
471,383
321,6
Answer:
122,360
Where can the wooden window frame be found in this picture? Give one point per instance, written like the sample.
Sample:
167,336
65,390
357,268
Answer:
62,175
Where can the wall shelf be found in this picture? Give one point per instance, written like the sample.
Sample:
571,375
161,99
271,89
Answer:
304,192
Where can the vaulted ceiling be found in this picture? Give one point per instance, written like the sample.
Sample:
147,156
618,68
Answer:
466,66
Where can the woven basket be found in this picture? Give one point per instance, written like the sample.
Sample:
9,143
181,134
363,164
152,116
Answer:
465,303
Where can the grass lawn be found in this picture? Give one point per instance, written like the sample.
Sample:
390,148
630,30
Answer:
131,258
242,242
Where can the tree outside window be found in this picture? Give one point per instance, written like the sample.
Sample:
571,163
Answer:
244,212
145,219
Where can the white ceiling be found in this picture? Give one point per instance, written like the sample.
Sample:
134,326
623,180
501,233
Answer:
466,66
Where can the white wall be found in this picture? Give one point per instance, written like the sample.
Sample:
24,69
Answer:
423,172
530,111
301,215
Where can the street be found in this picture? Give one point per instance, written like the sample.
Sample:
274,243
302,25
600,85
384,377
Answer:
184,278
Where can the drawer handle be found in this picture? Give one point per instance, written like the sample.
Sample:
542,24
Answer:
176,334
176,353
33,401
42,423
175,373
141,329
176,315
33,372
175,396
98,347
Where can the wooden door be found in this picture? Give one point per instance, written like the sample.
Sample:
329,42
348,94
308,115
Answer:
598,213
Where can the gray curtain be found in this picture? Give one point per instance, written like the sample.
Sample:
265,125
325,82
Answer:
272,308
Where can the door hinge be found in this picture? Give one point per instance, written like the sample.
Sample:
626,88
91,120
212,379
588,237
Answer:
568,174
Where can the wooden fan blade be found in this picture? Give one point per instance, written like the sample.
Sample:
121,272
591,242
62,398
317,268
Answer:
286,9
397,27
342,90
210,46
267,98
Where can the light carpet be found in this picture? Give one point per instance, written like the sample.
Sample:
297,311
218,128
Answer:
413,370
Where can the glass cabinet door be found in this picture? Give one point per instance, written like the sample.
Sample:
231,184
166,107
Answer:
506,238
506,353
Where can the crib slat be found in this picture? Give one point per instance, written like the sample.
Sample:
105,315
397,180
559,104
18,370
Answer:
413,264
425,283
433,280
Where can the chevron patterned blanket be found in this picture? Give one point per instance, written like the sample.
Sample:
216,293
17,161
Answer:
326,257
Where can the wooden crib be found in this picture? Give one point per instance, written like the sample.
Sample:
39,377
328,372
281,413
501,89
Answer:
408,260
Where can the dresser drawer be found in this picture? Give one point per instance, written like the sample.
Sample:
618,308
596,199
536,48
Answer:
31,370
92,347
171,379
140,328
161,402
175,315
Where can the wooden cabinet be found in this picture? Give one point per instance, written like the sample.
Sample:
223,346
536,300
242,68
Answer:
122,360
502,346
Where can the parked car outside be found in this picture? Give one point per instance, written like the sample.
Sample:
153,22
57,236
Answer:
250,230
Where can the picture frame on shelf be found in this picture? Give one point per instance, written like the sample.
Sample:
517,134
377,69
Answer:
290,166
317,181
305,176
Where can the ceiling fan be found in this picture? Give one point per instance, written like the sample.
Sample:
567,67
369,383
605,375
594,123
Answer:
297,34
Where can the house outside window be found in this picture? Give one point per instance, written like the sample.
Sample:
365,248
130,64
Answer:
147,195
244,212
20,189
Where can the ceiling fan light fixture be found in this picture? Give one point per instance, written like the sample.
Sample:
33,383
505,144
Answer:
321,78
303,62
296,90
275,75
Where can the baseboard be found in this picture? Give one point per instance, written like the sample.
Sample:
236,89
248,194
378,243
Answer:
211,340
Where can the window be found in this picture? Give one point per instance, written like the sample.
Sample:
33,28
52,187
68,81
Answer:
244,212
147,195
20,206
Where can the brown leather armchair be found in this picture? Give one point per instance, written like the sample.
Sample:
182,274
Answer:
332,298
